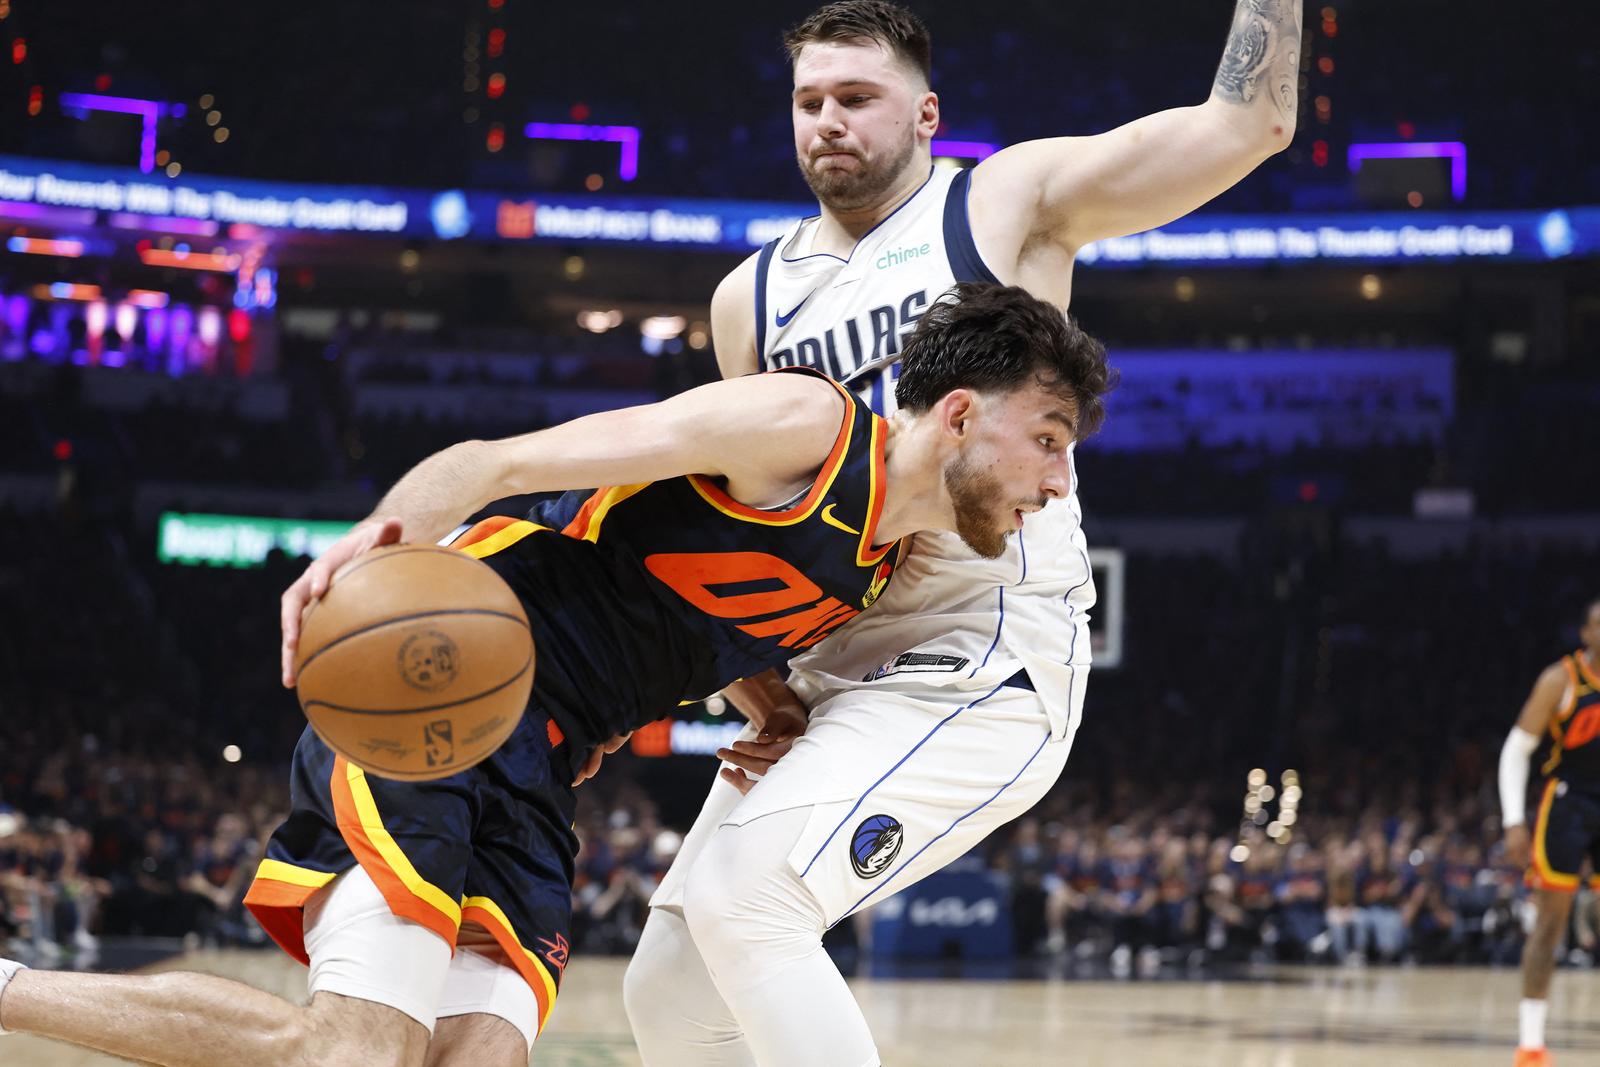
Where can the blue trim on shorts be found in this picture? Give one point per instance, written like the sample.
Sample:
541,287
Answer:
863,798
875,889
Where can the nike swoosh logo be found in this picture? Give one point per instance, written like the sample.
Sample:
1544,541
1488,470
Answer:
783,320
827,517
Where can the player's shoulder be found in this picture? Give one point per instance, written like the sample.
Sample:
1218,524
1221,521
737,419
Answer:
739,284
733,319
764,431
783,400
1557,674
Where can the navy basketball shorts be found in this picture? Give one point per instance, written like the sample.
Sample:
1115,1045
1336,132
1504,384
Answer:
491,846
1567,831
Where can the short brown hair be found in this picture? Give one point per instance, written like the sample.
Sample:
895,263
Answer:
895,27
1001,338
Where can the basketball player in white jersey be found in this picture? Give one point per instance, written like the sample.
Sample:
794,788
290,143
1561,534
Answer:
951,708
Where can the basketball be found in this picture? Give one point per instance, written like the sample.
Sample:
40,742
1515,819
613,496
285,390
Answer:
417,662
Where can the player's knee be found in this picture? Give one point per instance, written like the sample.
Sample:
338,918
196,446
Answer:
648,987
1552,915
336,1031
1549,928
718,899
738,896
376,1049
478,1040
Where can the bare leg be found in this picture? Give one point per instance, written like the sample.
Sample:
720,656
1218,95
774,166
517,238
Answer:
479,1040
1539,954
198,1020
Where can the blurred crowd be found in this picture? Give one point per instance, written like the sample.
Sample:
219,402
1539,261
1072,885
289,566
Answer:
1165,888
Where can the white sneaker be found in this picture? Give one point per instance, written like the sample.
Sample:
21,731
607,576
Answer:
8,971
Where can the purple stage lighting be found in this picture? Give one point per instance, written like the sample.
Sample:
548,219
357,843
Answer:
978,150
1454,151
123,220
12,209
149,110
626,136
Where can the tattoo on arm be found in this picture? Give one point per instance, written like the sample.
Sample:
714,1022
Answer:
1263,55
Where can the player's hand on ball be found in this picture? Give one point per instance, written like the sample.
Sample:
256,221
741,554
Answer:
1517,845
299,597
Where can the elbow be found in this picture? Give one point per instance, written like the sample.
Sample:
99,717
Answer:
1261,131
1274,138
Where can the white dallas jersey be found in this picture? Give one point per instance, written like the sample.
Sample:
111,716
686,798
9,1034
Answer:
949,618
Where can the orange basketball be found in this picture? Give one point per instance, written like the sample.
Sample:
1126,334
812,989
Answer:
417,663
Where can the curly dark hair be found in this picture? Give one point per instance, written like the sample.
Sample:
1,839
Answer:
896,28
1000,338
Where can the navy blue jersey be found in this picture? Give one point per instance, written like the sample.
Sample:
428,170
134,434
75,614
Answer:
1575,728
643,596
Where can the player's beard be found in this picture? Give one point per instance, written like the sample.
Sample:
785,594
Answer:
975,496
862,185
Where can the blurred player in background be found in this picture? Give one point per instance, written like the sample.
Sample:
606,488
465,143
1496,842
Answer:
1565,703
953,711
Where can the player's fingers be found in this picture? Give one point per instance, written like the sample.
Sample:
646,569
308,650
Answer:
617,742
291,607
746,761
738,780
316,580
771,751
591,767
388,532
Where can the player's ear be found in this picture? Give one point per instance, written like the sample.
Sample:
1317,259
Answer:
928,114
956,409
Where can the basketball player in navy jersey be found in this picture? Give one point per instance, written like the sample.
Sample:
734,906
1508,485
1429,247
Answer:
1565,707
736,523
950,708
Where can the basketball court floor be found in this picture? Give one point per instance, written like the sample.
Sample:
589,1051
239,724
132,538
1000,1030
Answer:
1396,1017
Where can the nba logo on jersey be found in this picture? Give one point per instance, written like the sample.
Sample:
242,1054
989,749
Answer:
875,845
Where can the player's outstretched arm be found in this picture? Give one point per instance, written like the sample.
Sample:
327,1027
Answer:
1163,166
764,433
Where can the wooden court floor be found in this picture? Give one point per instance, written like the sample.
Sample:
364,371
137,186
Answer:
1295,1018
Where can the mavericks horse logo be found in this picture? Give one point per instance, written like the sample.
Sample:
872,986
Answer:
875,845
